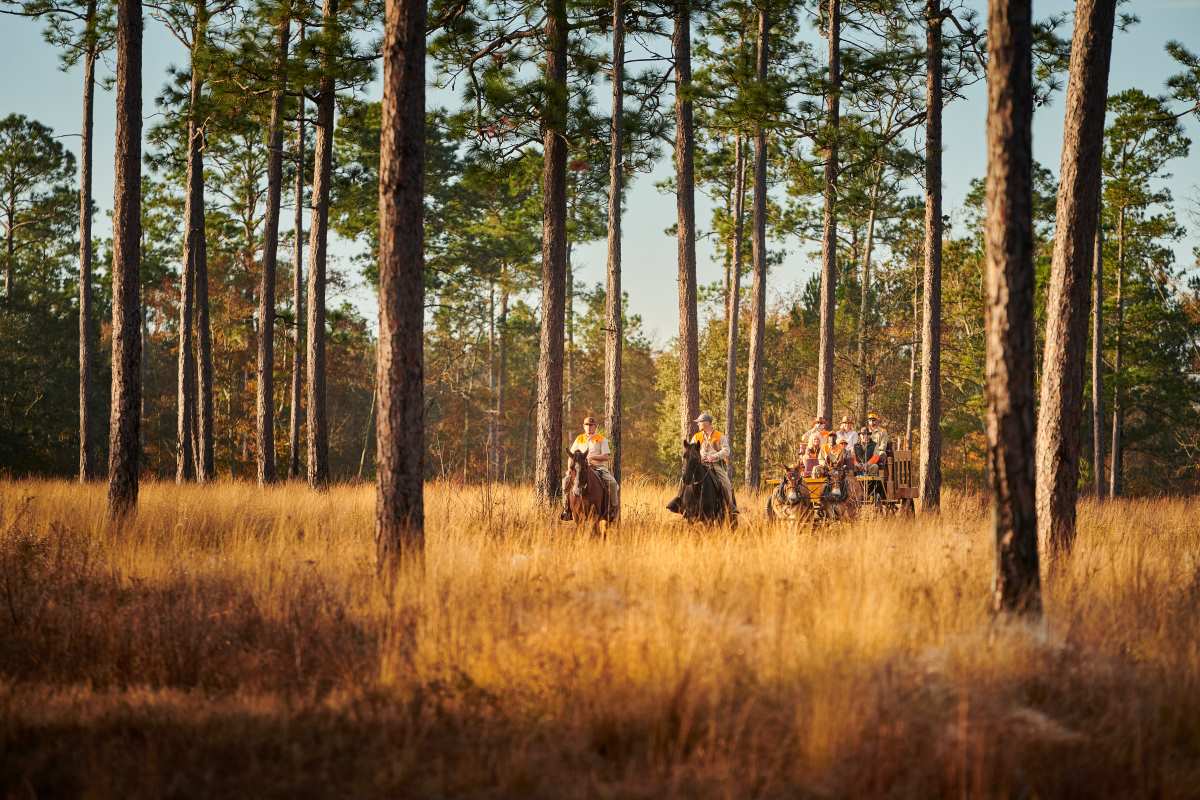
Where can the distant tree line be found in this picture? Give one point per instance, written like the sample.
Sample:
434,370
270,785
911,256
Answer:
254,361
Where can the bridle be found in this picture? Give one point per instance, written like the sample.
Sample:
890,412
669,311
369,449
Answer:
579,468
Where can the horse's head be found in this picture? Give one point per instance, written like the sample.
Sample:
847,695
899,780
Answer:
578,468
791,485
692,464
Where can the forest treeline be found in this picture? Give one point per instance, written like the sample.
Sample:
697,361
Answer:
806,124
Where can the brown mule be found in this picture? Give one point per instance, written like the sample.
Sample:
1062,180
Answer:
587,496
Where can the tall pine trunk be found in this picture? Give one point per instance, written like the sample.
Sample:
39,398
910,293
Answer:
758,286
203,431
613,328
1115,483
733,282
186,445
265,400
569,354
548,458
913,355
318,422
501,454
1098,357
1009,362
864,298
829,235
125,420
929,461
297,389
1058,435
87,334
685,208
400,506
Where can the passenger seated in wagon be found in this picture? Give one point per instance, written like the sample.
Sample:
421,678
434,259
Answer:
809,461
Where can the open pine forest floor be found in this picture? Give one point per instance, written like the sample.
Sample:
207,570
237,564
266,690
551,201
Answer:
229,641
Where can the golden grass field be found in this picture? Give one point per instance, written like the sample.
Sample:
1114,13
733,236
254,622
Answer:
230,641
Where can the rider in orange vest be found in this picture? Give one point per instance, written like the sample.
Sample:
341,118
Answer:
598,455
714,452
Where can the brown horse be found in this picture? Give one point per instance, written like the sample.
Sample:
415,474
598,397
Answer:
588,493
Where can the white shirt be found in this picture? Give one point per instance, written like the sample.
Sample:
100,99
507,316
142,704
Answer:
849,437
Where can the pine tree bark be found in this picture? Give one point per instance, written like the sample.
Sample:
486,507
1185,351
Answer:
204,415
548,457
297,412
685,207
1115,487
758,286
829,235
929,461
864,307
913,355
265,400
318,422
186,450
185,442
1058,435
400,510
1009,306
501,456
87,334
733,282
125,420
569,353
614,334
1098,358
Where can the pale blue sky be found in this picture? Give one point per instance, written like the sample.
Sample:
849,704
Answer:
34,85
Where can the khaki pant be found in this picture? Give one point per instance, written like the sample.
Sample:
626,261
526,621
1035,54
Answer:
614,488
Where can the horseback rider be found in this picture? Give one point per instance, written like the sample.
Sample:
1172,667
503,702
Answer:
875,447
595,445
714,453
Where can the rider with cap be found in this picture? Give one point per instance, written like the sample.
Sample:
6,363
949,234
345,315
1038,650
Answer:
595,445
714,452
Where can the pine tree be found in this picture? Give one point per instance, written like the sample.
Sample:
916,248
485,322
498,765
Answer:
1009,319
1076,217
399,520
124,423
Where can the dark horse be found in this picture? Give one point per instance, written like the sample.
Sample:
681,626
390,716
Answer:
588,498
701,498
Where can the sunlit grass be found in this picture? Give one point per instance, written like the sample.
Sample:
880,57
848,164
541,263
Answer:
233,640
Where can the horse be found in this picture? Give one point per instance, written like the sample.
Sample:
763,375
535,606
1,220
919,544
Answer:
836,501
791,501
589,499
701,499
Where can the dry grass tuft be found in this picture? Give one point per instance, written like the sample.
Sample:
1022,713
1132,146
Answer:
231,641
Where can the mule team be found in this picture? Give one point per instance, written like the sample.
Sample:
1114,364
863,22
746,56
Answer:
705,490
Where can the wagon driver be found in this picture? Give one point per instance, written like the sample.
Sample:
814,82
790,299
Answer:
595,445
